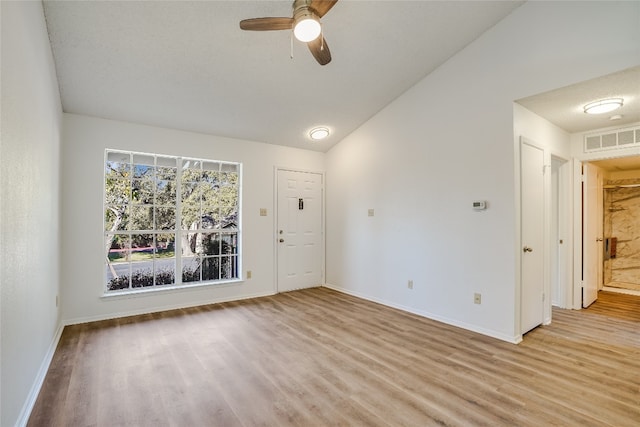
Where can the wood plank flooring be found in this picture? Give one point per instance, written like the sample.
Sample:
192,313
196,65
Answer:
318,357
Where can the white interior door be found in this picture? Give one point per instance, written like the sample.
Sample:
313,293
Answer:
592,244
533,231
300,237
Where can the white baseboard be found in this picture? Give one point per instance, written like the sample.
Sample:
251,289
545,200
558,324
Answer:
25,413
473,328
159,309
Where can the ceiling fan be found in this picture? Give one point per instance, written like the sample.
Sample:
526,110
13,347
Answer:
305,24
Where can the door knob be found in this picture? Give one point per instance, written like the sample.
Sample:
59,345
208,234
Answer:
527,249
281,240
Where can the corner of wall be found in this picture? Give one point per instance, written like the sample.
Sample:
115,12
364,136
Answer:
30,210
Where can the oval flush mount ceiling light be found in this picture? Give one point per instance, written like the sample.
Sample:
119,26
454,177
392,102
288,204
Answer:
603,106
318,134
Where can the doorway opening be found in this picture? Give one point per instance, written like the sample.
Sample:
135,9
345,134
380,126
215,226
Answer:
620,210
560,233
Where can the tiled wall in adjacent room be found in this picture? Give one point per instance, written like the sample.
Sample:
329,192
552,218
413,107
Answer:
622,222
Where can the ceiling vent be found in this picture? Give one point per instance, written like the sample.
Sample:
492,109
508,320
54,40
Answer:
610,140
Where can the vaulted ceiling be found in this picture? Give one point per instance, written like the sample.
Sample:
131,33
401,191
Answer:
187,65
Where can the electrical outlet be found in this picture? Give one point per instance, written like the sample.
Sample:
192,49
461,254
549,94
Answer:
370,212
263,212
410,284
248,274
477,298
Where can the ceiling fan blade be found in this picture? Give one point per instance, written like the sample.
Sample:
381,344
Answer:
266,24
320,50
321,7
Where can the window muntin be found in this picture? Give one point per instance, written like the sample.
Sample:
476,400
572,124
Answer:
166,214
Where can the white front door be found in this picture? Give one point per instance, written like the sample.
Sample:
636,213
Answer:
299,233
532,223
592,234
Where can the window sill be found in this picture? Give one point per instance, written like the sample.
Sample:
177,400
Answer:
169,289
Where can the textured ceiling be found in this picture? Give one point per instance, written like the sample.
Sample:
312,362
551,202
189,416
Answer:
564,107
187,65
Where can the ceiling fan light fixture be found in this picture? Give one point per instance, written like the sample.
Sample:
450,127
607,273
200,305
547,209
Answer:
318,134
304,25
603,106
307,26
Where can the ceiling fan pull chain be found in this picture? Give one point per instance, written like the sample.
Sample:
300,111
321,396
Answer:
321,37
291,54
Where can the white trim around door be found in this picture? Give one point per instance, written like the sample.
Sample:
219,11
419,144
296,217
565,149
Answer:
299,229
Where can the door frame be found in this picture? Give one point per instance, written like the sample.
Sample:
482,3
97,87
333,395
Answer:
589,245
579,271
565,260
546,167
276,170
576,289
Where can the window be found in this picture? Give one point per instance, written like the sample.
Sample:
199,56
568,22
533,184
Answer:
164,215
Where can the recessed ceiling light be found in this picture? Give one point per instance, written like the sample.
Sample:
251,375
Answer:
318,134
603,106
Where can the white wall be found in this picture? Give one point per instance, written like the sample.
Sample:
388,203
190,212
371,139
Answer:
555,142
84,142
448,141
29,206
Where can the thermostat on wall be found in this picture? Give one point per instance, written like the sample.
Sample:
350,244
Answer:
479,205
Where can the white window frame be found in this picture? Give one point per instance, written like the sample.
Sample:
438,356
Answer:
178,255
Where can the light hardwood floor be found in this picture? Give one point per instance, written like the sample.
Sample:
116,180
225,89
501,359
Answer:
318,357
